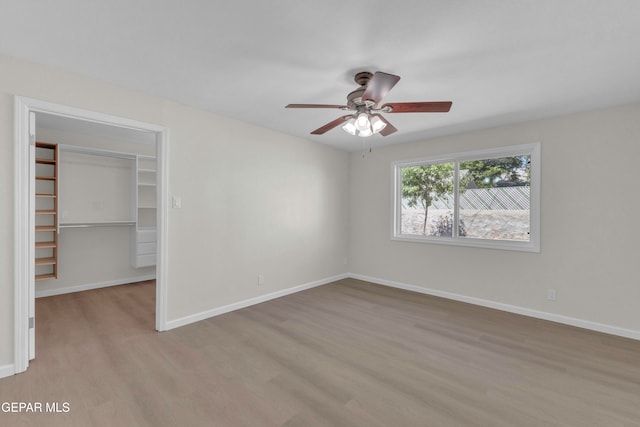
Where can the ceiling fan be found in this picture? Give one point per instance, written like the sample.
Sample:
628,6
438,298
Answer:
365,118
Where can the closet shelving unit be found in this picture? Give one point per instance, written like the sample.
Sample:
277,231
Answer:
143,240
143,210
46,211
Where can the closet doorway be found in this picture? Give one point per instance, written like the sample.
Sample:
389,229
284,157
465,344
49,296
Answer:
129,158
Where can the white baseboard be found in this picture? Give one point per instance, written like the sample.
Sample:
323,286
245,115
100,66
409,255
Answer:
580,323
89,286
172,324
7,371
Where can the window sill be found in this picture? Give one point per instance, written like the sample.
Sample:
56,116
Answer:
508,245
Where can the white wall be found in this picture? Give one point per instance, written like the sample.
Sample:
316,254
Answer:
589,230
254,201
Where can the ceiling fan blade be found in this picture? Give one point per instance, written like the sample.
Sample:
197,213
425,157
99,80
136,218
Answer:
419,107
331,125
379,85
388,129
343,107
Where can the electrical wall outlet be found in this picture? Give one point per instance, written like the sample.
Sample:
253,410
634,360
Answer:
552,294
260,280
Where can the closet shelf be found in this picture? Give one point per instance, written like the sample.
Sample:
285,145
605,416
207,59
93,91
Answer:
45,276
46,261
46,178
44,228
46,245
46,212
46,195
46,161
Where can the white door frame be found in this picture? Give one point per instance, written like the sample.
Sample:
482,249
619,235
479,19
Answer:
24,238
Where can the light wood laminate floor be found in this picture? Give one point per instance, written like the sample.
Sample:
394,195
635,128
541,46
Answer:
346,354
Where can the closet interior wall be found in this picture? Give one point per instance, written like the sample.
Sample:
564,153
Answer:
97,256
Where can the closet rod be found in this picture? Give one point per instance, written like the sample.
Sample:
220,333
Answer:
97,224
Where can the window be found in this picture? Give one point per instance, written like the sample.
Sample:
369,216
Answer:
487,198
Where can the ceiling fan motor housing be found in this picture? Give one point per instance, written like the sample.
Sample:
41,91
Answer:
362,78
354,99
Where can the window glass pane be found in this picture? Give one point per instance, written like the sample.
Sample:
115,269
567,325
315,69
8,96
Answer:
494,198
427,200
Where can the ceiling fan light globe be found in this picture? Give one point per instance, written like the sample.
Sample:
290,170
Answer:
377,124
363,123
365,133
350,126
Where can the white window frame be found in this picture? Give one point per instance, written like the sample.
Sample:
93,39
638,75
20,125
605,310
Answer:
533,245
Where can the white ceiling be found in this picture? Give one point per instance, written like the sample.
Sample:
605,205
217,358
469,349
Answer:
499,61
85,127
